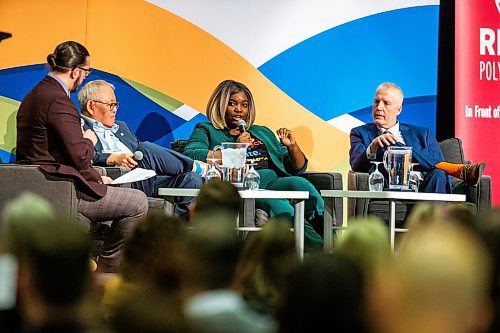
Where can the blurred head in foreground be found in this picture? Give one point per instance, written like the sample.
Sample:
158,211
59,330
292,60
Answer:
53,258
439,282
366,241
217,195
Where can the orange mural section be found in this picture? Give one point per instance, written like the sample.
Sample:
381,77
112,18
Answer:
144,43
37,27
172,55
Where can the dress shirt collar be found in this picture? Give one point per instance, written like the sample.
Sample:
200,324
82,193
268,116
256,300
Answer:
61,82
108,140
394,129
98,126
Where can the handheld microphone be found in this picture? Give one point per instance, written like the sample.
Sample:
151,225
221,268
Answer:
242,125
138,155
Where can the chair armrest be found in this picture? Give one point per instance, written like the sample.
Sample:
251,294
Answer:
481,194
357,181
328,181
114,172
20,178
101,170
178,145
484,197
324,180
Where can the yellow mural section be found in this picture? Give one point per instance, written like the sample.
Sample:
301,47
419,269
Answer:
146,44
8,113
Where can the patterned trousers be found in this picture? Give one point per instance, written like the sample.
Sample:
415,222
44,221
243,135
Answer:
124,207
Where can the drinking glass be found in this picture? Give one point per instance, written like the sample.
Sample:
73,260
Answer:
376,179
252,178
212,171
413,180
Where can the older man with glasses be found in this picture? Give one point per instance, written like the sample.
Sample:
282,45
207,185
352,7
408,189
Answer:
117,144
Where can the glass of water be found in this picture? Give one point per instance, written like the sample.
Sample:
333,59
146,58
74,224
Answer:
376,179
413,180
212,172
252,178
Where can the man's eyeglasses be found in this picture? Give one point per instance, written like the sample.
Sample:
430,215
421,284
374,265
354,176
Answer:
88,71
111,106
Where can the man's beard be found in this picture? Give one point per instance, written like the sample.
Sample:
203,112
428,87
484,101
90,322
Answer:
75,86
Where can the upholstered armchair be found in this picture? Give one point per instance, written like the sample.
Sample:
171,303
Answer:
18,178
478,197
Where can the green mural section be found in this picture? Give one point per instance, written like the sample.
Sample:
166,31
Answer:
159,98
8,111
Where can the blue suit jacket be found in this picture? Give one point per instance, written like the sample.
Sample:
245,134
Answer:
425,149
124,134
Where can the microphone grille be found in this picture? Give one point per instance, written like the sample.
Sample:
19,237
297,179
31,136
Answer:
138,155
241,122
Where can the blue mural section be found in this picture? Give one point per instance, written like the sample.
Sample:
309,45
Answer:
337,71
16,82
419,111
7,157
150,121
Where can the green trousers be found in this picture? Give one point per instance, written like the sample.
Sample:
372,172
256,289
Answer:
282,208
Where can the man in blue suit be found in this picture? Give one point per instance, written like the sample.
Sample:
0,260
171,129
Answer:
369,141
117,144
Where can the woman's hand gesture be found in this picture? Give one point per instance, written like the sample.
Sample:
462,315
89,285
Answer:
286,137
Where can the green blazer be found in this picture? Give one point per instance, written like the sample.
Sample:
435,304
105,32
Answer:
205,137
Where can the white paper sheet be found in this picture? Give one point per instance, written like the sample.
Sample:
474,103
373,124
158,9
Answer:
134,175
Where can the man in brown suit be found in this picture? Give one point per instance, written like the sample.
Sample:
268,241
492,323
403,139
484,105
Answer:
49,133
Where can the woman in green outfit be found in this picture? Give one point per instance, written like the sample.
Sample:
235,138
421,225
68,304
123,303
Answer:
277,161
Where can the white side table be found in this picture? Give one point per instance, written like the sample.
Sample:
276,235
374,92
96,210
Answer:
329,195
297,198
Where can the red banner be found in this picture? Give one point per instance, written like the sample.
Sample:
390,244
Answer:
477,84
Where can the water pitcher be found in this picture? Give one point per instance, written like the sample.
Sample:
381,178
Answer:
233,161
397,161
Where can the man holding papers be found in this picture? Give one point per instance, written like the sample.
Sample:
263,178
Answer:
118,146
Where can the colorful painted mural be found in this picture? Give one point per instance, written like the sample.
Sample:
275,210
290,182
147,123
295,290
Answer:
313,66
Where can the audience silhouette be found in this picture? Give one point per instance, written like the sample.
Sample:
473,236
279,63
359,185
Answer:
444,276
264,266
54,278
